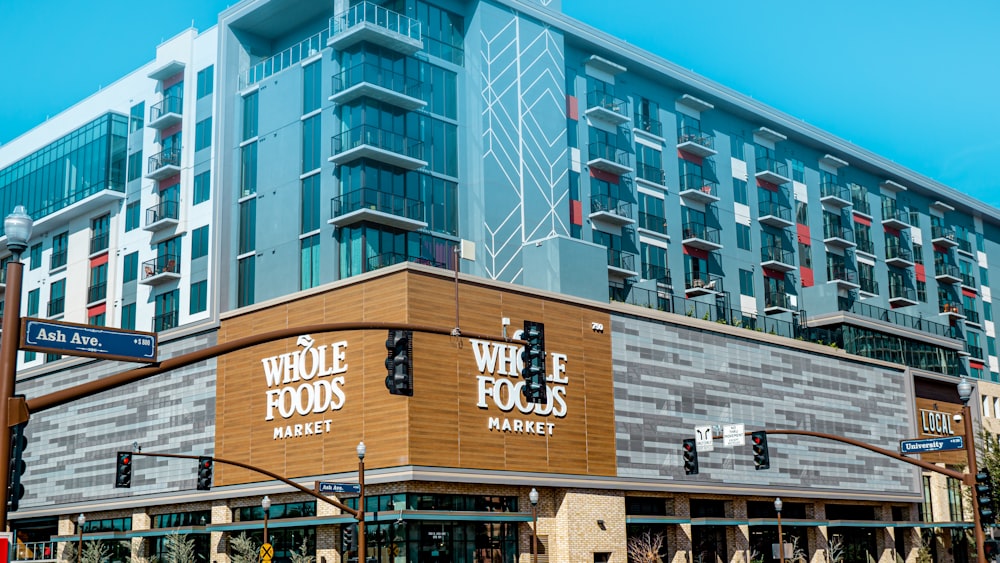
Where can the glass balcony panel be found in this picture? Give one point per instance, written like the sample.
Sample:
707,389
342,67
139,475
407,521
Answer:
651,222
693,140
368,141
373,81
367,21
832,193
370,204
607,107
772,171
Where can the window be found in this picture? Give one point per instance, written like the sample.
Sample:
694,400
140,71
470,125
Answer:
248,226
310,204
984,276
798,170
801,212
737,146
918,254
312,87
245,282
740,191
746,283
206,80
135,165
743,236
863,236
654,262
60,250
96,320
248,170
99,233
649,164
35,256
57,298
199,242
311,143
33,302
98,289
128,316
130,267
921,291
199,297
309,265
136,116
132,216
203,134
805,255
987,311
250,116
202,187
165,316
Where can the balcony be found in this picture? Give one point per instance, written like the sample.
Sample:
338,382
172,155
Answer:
697,188
161,269
777,302
375,206
972,316
842,277
392,258
648,125
895,218
951,309
947,273
609,159
969,281
373,23
975,351
777,259
372,81
166,113
965,246
943,236
163,215
659,273
697,235
899,256
894,317
902,296
654,223
772,171
835,195
693,141
368,141
57,260
607,108
866,246
702,283
775,214
621,264
97,293
860,205
165,321
164,164
610,210
868,286
838,235
99,242
56,307
650,173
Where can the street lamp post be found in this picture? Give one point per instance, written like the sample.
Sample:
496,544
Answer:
533,497
781,536
265,503
80,521
17,227
362,542
965,393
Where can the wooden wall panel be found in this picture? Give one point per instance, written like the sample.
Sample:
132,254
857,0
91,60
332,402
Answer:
927,427
442,424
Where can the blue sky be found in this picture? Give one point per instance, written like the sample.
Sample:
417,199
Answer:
913,81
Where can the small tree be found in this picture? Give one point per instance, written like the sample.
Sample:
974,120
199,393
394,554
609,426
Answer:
92,552
244,550
836,553
645,548
178,548
299,555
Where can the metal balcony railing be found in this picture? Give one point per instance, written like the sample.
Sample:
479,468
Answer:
892,316
701,231
169,157
968,280
696,182
777,299
944,269
868,285
972,316
170,104
609,204
692,134
165,321
165,264
832,230
97,292
58,259
898,251
608,152
833,189
841,272
897,291
621,260
860,204
379,138
648,124
370,198
942,232
658,273
650,173
164,210
703,280
774,209
777,254
387,259
866,246
975,351
597,99
99,242
765,163
650,222
374,74
952,307
56,306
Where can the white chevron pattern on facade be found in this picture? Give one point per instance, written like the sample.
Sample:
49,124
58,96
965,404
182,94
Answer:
524,140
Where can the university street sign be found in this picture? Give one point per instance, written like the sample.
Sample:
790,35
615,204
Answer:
931,445
57,337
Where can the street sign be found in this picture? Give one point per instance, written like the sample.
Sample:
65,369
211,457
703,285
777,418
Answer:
85,340
703,438
266,553
326,487
928,445
734,435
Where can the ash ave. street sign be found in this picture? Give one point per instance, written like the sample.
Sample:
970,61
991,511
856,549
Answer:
928,445
327,487
84,340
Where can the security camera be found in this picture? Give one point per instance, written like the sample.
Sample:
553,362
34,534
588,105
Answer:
957,417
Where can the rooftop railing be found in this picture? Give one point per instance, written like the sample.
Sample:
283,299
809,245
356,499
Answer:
894,317
280,61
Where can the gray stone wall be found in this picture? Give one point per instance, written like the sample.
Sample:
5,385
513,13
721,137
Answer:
669,379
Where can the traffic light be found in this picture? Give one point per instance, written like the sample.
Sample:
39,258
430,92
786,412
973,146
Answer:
533,359
18,443
399,362
991,548
690,457
984,497
761,457
123,470
204,473
348,537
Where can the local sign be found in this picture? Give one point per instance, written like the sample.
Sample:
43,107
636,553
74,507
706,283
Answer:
931,445
327,487
84,340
